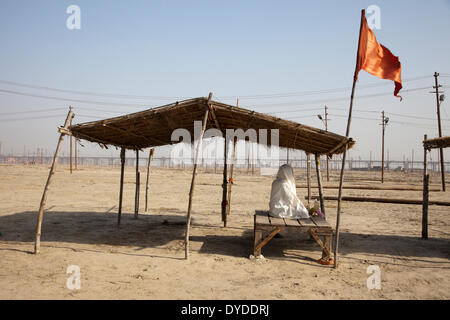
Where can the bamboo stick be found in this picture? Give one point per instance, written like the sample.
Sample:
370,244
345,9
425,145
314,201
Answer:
426,178
150,157
319,183
191,192
70,146
386,200
399,188
138,185
225,184
122,172
40,216
308,175
233,159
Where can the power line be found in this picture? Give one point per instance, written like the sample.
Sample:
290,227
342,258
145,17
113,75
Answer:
33,118
297,103
72,100
145,97
88,93
32,111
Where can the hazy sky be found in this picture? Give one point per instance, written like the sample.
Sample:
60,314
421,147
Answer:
169,50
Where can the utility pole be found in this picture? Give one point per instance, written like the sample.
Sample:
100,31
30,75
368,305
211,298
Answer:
325,121
384,122
441,151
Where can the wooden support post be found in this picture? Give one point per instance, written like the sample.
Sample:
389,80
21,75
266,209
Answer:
308,175
426,179
267,239
225,183
344,155
254,159
70,147
248,158
319,183
325,246
233,159
37,244
150,157
138,185
194,173
328,239
122,172
76,154
257,236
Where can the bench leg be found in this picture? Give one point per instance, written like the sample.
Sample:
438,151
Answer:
327,243
257,239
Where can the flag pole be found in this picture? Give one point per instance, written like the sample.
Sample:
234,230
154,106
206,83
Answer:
347,133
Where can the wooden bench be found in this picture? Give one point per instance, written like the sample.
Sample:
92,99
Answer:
316,226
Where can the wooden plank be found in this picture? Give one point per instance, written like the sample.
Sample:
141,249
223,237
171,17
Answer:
306,222
262,220
291,222
362,187
277,221
320,222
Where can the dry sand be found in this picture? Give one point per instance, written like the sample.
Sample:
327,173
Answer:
144,258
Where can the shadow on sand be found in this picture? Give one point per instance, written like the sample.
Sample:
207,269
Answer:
158,230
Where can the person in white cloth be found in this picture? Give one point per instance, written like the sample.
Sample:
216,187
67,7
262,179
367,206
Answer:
284,202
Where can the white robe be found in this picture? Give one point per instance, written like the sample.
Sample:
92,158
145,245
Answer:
284,202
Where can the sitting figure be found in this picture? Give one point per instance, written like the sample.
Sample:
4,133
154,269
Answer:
284,202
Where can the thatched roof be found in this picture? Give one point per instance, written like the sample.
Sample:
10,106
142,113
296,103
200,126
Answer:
443,142
154,127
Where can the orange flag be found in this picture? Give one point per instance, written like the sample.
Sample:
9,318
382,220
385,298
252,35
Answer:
376,59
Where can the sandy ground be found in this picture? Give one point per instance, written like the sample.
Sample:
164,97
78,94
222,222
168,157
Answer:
144,258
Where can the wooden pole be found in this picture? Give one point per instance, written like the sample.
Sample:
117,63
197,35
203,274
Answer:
426,179
150,157
441,150
40,216
194,173
347,133
225,183
248,158
122,172
383,126
308,175
326,129
138,185
319,183
70,147
254,159
233,159
76,154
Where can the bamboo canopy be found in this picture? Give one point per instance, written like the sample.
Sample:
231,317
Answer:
154,127
443,142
